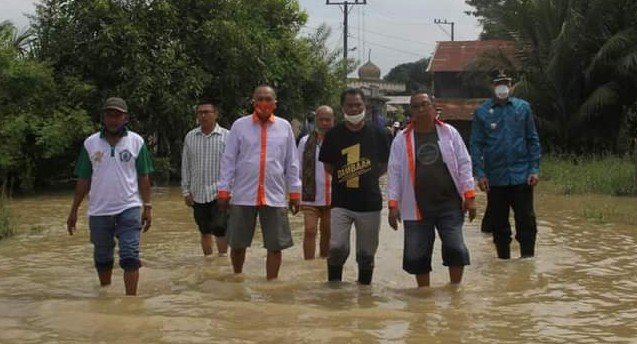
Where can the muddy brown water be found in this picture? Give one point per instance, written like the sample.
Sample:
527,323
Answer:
581,288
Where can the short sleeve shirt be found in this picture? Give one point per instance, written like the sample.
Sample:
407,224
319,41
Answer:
113,171
356,158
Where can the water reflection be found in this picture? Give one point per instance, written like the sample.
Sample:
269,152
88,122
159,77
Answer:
580,288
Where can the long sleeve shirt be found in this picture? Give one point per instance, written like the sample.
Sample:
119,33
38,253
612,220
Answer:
260,163
200,163
505,146
401,169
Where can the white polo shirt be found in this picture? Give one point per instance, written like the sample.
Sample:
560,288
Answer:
113,171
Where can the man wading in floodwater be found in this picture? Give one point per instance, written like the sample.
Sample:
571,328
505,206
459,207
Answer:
114,164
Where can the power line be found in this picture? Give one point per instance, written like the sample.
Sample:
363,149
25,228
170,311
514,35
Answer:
397,37
346,11
438,21
393,48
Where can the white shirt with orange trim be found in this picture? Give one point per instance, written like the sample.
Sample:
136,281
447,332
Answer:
260,163
323,179
401,169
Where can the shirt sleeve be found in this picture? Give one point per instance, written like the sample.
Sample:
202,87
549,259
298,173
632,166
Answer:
476,144
292,167
83,167
384,146
144,164
326,154
533,143
185,169
228,163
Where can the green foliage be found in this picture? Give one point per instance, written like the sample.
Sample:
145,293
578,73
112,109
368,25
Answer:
578,66
36,125
161,56
608,175
414,75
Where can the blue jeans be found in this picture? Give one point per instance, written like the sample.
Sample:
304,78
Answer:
420,236
126,227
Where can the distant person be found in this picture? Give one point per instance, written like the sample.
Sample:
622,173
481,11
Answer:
200,164
505,149
355,153
260,170
316,192
430,187
113,169
395,129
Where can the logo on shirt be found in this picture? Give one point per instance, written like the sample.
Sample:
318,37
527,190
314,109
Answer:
97,157
428,153
125,155
354,169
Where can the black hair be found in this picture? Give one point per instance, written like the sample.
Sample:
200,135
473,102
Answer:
352,92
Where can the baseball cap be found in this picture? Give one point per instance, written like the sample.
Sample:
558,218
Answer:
115,103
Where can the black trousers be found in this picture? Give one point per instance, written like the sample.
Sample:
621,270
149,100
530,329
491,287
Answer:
519,198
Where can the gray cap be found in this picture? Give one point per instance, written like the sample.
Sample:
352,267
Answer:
115,103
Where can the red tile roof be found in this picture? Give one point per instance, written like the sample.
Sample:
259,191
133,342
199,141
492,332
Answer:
457,109
457,55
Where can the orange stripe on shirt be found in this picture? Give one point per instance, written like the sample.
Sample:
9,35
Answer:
412,165
262,159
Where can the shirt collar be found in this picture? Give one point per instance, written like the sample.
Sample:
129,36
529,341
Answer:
256,118
494,103
216,130
103,132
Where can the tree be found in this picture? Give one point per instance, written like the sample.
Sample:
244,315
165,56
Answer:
36,124
413,74
577,62
162,55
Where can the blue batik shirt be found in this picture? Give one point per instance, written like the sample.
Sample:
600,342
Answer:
505,145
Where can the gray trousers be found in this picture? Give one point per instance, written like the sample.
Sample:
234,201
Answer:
367,226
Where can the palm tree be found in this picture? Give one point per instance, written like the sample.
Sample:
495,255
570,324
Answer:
578,65
20,40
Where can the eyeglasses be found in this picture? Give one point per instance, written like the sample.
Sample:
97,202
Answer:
423,104
205,112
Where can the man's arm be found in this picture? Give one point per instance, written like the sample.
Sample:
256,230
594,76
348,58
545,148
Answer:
83,170
476,145
292,173
81,190
533,143
144,167
185,173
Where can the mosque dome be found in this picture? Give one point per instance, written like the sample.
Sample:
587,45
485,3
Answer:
369,71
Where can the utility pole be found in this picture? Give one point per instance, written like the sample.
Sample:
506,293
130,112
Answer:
346,9
438,21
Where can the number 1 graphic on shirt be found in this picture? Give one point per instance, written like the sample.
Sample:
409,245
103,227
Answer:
353,155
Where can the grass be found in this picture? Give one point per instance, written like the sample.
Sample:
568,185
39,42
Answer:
6,226
606,175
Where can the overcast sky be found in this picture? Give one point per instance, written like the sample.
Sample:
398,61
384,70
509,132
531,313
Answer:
396,31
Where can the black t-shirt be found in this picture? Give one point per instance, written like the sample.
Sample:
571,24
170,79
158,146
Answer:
356,158
435,190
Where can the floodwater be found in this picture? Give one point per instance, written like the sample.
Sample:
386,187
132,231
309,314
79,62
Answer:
581,288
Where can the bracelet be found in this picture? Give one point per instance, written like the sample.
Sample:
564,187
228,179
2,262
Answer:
148,205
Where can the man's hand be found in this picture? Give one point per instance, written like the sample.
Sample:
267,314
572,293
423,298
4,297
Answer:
188,200
394,217
71,221
295,205
222,204
483,184
146,219
533,179
469,205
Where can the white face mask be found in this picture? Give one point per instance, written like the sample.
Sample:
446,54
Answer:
355,119
502,91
